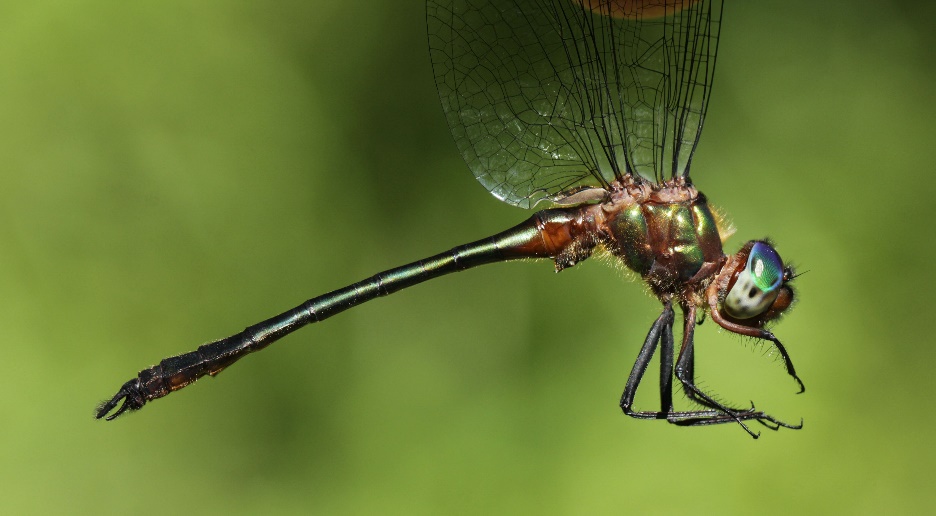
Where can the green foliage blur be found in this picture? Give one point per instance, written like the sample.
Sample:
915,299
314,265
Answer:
171,172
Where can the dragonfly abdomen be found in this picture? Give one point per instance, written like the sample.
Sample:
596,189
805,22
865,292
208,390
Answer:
561,234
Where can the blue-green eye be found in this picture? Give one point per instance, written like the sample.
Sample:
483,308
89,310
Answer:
757,285
765,267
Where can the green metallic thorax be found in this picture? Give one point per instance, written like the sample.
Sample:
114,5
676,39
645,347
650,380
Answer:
666,242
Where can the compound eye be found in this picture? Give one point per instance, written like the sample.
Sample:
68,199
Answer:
757,285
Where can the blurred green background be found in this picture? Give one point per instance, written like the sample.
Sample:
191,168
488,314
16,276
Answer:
174,171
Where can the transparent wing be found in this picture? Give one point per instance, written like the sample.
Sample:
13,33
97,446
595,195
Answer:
546,95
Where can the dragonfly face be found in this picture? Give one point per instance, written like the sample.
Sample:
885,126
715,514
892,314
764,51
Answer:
758,289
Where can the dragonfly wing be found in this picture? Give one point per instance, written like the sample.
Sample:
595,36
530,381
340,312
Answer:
546,95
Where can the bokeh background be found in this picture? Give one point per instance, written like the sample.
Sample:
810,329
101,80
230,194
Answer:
173,171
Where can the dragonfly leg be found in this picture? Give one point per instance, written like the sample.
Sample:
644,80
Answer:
757,333
686,366
715,412
720,413
666,366
661,332
662,326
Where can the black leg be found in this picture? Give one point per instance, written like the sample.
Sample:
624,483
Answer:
715,413
665,320
786,359
685,373
661,331
666,367
757,333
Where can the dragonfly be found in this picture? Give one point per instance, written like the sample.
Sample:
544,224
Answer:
592,110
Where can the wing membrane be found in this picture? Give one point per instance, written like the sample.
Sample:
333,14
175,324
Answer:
546,95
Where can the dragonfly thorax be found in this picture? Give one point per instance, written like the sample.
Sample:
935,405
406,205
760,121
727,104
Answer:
666,233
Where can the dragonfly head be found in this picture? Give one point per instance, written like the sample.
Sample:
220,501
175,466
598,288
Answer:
758,289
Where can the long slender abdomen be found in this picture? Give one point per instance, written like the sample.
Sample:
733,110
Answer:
544,235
